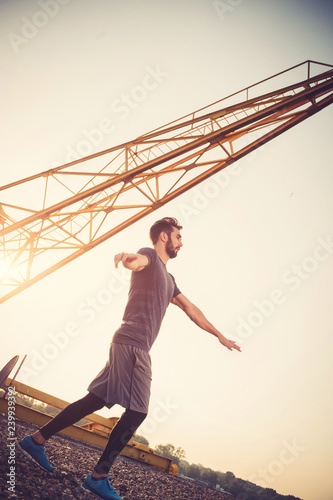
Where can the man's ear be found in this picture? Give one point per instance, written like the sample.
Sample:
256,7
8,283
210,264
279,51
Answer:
164,237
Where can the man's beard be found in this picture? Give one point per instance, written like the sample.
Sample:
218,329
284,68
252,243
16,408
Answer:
170,249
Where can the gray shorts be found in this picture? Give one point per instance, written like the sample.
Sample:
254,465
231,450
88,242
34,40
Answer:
125,379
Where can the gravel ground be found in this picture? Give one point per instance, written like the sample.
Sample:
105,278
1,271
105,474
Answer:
74,460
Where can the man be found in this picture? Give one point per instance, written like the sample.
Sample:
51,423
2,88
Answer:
126,377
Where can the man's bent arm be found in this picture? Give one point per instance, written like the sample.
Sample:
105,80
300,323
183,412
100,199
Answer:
197,316
132,261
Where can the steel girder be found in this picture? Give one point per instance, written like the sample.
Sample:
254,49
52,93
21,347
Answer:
75,207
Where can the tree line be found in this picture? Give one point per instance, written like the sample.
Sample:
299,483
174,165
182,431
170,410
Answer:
239,488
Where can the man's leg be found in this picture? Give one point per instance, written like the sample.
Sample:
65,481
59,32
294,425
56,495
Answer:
98,482
33,446
119,437
71,414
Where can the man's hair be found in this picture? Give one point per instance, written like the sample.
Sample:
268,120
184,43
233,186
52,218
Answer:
165,225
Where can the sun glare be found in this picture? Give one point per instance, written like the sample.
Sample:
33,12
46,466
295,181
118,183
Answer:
4,269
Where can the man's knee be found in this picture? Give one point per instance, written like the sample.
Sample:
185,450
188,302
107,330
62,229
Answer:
136,417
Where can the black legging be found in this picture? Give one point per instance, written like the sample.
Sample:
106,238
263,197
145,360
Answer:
119,437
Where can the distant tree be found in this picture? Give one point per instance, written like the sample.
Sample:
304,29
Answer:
270,492
141,439
210,476
229,481
170,451
179,454
194,471
165,450
183,467
230,474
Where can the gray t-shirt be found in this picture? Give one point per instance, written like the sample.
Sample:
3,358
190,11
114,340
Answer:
151,291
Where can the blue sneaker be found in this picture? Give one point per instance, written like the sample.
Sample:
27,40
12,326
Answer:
35,453
102,489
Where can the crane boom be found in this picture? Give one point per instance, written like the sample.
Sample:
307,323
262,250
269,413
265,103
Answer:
81,204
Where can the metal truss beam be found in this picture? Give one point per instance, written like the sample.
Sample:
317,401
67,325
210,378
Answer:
77,206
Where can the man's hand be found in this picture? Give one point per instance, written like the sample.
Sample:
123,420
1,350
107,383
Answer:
132,261
125,258
229,344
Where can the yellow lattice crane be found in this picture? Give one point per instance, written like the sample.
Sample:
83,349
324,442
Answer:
79,205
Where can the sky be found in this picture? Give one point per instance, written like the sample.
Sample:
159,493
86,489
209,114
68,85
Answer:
257,256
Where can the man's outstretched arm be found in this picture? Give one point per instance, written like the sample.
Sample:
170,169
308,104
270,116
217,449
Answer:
197,316
132,261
